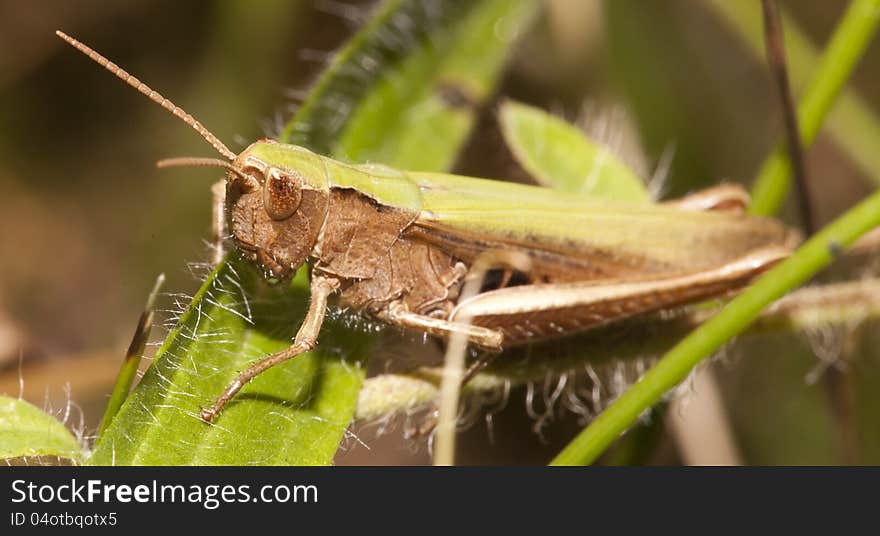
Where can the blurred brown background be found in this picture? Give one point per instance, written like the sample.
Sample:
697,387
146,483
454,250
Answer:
88,222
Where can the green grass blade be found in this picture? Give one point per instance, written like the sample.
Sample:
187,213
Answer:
445,66
732,320
848,43
132,360
851,122
298,412
26,431
561,156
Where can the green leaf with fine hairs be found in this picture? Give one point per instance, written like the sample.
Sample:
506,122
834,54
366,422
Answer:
560,155
26,431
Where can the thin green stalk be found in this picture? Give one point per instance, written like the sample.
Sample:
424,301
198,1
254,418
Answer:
636,447
851,123
847,45
674,367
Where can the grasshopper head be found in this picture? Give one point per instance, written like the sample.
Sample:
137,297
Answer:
276,202
275,212
276,195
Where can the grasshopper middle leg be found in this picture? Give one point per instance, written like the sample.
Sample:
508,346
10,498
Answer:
397,313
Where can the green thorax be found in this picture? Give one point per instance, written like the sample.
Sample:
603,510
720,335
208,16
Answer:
385,185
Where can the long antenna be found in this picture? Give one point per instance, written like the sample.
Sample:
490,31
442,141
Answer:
153,95
203,162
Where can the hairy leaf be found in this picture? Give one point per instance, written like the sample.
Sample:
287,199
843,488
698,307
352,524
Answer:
559,155
26,431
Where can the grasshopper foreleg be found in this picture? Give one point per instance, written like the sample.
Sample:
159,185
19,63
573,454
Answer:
306,339
218,219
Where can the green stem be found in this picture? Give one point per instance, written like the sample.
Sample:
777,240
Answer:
851,123
847,45
674,367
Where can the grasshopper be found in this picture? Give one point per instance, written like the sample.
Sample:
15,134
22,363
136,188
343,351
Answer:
398,245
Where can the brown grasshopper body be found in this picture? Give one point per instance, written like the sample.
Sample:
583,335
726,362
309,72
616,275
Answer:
406,266
398,245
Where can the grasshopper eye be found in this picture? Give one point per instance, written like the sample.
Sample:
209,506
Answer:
282,193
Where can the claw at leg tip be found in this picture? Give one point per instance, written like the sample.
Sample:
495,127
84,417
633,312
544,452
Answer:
208,415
